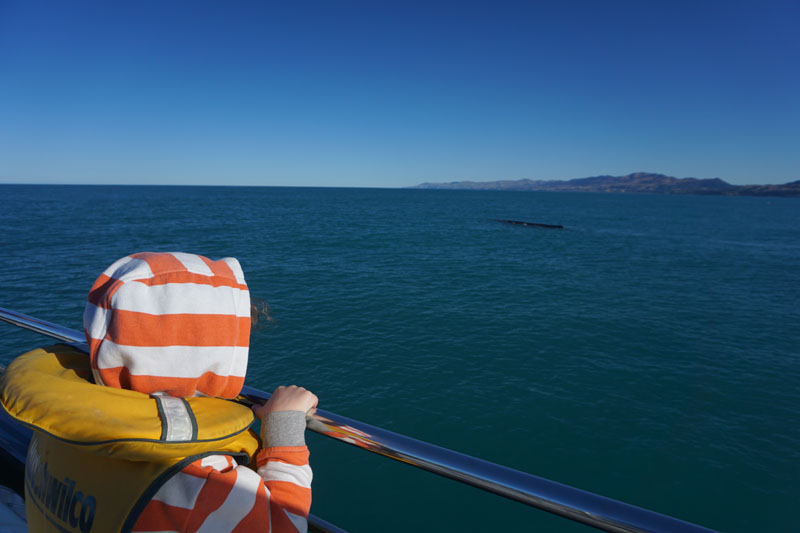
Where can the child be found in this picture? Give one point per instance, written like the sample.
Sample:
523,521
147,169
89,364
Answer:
176,325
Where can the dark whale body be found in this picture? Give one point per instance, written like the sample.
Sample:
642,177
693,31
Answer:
532,224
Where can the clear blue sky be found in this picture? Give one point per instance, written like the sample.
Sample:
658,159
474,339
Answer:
392,94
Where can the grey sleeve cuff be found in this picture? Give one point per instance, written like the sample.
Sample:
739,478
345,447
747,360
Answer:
284,428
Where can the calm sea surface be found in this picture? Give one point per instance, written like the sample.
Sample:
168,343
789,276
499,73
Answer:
650,351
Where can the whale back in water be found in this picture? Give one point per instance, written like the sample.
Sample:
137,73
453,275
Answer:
532,224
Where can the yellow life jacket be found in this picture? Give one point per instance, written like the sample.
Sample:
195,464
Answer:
99,454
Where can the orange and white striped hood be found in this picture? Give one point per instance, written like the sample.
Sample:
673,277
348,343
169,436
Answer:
170,322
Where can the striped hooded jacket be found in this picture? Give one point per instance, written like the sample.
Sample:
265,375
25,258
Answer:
179,324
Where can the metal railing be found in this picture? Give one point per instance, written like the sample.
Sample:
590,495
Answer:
569,502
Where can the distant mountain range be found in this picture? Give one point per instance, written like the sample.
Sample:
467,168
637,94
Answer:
639,182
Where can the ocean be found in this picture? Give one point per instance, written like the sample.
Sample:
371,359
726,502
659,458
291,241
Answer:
649,351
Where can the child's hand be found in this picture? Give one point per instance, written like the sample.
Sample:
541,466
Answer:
291,398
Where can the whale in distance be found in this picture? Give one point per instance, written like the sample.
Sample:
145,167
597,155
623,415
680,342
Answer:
531,224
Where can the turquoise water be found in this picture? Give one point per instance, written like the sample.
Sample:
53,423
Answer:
649,352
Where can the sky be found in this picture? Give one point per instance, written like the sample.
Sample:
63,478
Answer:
392,94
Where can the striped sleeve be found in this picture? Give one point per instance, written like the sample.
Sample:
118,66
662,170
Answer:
217,495
287,475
